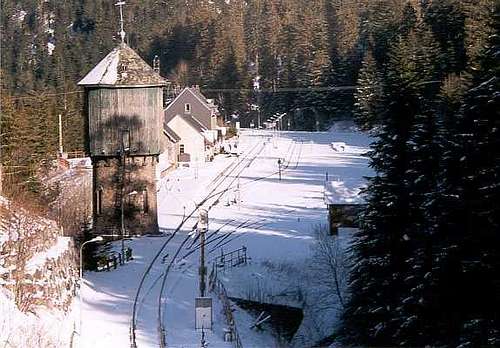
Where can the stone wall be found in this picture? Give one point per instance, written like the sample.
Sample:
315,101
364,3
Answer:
69,187
139,195
37,263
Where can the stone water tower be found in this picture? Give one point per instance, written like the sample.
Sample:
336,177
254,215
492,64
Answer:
124,107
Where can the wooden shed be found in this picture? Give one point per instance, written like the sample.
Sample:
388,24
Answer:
345,203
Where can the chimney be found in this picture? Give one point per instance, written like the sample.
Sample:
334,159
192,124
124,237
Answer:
156,64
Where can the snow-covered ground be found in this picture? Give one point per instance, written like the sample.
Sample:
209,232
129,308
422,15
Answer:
284,214
48,328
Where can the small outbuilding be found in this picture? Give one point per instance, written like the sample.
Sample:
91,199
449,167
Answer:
345,203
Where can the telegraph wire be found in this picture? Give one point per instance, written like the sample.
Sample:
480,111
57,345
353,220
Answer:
239,90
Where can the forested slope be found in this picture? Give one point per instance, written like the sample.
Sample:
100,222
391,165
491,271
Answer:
294,46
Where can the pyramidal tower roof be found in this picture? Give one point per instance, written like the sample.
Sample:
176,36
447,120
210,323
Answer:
122,67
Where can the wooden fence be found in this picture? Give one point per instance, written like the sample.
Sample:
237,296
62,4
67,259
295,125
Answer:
231,259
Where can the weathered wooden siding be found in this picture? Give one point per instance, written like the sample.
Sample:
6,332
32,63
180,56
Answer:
113,110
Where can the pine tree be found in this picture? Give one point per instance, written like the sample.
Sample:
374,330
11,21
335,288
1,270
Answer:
380,249
446,18
368,95
421,177
477,27
468,257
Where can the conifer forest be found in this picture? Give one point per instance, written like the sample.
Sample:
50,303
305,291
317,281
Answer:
421,76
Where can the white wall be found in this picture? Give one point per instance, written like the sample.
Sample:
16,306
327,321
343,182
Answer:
193,141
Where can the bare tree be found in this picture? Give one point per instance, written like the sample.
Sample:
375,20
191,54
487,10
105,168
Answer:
329,265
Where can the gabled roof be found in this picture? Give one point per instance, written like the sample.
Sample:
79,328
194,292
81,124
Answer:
196,92
171,135
193,122
122,67
190,120
200,96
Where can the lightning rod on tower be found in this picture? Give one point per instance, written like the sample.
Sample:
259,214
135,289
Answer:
122,32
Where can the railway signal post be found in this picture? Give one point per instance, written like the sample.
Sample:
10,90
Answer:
202,229
203,305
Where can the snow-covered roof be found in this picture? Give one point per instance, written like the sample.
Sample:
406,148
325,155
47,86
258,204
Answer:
122,67
344,192
169,132
194,123
189,120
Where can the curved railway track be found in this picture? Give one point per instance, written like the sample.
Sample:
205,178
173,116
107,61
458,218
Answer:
216,184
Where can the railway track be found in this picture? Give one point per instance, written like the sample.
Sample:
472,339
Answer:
294,149
212,198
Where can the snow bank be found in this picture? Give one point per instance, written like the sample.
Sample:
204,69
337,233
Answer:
38,260
26,330
35,260
344,127
344,192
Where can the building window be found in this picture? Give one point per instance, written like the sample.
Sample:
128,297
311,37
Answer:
187,108
99,201
145,202
125,140
181,149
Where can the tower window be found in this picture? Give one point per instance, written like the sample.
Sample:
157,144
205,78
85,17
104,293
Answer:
99,201
145,201
187,108
181,149
125,140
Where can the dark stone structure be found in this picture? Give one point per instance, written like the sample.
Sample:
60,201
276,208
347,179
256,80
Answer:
344,215
124,105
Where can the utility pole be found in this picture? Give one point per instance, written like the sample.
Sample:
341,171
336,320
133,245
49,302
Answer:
238,193
123,150
279,167
60,137
258,88
202,229
122,213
